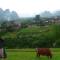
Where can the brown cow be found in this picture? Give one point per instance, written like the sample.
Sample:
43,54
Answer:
44,51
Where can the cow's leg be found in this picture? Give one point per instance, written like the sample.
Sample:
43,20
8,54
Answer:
38,54
49,57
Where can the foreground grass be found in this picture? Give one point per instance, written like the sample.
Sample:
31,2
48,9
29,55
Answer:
29,54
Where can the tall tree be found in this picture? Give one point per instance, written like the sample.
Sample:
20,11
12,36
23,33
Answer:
37,19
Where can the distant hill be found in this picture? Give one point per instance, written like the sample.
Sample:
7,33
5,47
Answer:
8,15
49,14
46,14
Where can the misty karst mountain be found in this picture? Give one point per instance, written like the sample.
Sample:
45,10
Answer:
12,15
46,14
57,13
49,14
8,15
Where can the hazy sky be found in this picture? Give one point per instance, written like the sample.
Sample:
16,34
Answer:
30,7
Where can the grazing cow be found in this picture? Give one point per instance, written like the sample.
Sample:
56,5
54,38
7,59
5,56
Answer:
44,51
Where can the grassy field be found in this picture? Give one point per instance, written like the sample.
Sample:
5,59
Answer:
30,54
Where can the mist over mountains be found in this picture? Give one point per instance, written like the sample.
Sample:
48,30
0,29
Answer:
8,15
49,14
12,15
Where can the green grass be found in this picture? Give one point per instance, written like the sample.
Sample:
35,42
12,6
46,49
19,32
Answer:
18,54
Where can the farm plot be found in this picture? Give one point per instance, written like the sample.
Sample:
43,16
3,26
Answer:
30,55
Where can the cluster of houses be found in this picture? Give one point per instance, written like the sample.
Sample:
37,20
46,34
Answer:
53,20
9,24
16,26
